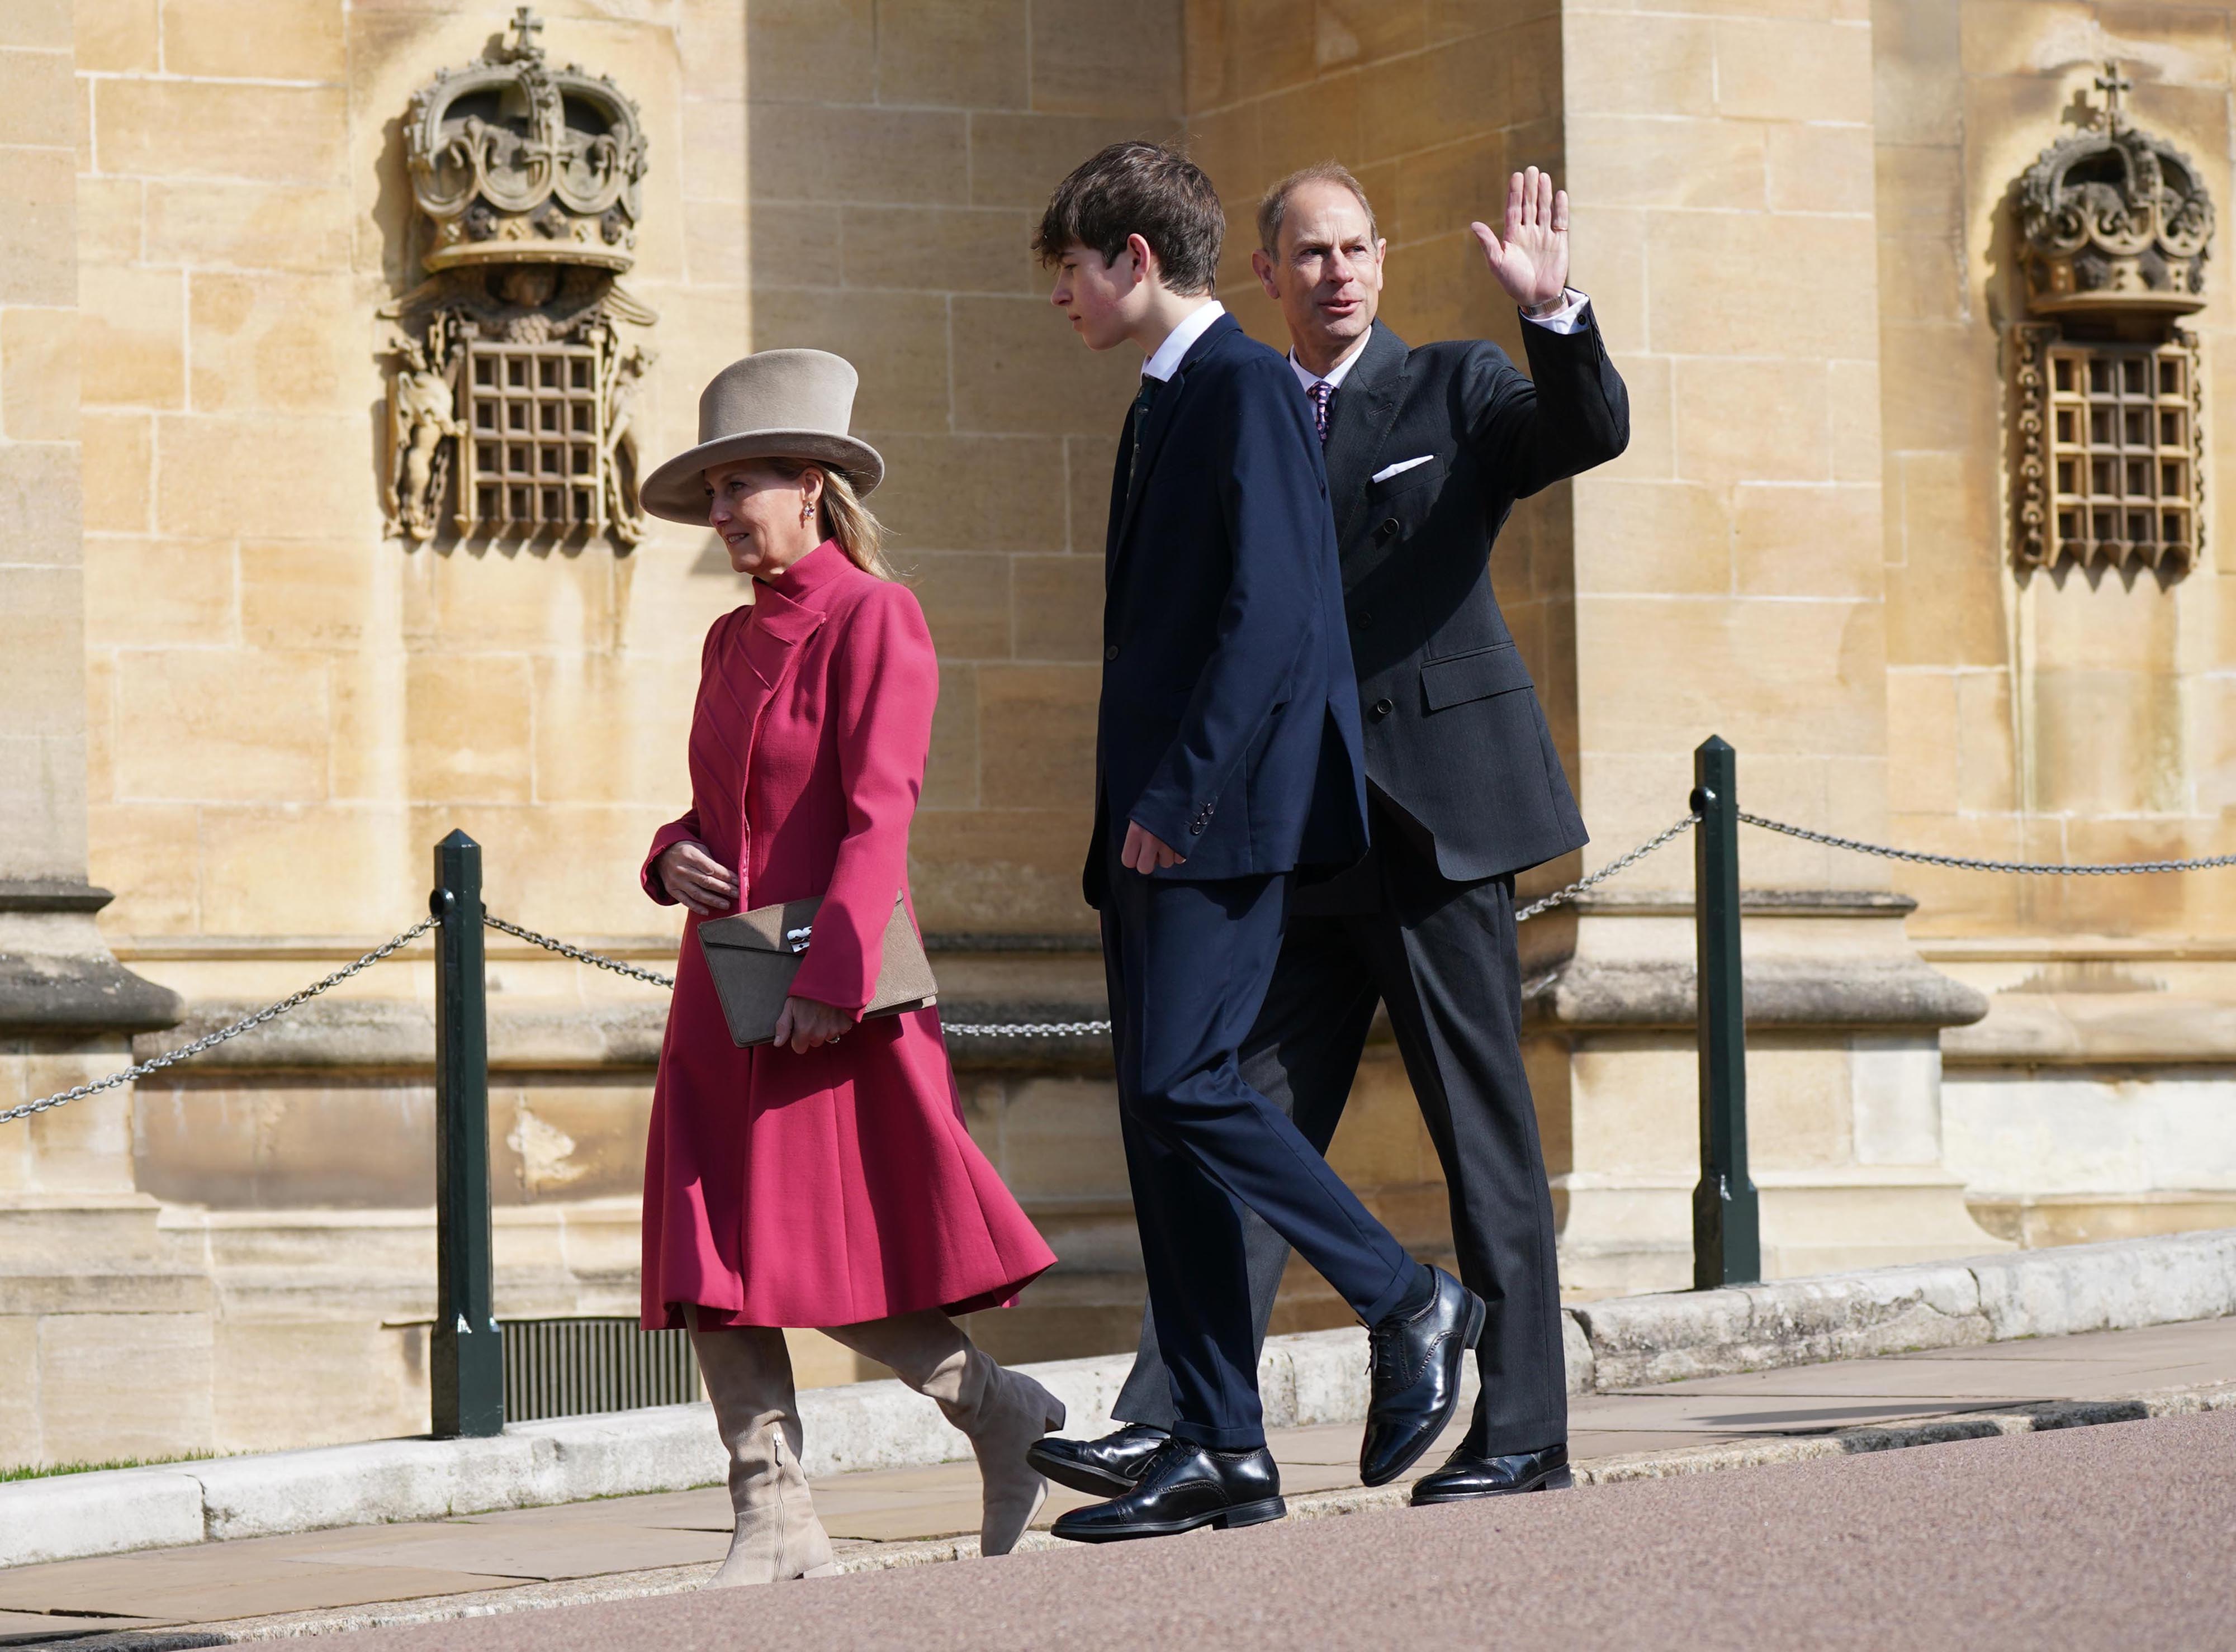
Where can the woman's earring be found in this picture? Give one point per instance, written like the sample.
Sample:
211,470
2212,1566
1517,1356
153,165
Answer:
807,511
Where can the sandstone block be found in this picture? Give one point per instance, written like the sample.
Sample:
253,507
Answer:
1652,536
968,493
132,337
116,36
116,450
1018,366
323,459
290,40
109,221
1018,160
950,769
1712,275
140,592
41,105
469,725
804,153
213,129
812,50
1789,68
123,1384
1058,602
1036,726
220,723
966,602
1625,161
784,244
1807,540
898,341
1093,59
1642,64
38,194
135,847
966,249
1820,169
44,24
276,344
1721,439
248,226
955,53
38,374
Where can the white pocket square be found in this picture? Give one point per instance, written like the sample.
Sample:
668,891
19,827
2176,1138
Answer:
1388,471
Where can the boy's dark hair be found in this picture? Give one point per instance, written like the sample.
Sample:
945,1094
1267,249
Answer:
1144,189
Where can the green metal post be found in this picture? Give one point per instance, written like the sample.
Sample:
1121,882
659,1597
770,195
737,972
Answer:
468,1372
1726,1222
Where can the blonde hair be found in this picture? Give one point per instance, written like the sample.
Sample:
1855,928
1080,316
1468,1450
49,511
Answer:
843,516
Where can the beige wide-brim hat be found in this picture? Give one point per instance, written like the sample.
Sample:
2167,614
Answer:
778,404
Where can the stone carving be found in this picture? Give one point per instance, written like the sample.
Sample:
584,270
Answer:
2113,221
513,386
2107,461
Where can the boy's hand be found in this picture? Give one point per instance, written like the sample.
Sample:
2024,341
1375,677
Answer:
1145,852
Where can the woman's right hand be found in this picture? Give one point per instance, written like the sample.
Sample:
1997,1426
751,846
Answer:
693,876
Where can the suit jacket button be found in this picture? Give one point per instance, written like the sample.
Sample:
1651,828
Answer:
1365,622
1110,652
1383,708
1389,527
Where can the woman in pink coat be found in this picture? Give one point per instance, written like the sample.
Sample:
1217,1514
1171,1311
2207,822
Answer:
825,1180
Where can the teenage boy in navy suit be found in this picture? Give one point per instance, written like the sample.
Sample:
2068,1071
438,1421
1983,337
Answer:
1228,759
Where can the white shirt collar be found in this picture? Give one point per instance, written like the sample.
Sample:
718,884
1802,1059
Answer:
1165,361
1334,376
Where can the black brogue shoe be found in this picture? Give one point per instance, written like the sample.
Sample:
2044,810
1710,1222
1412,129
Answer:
1416,1357
1183,1486
1109,1466
1468,1474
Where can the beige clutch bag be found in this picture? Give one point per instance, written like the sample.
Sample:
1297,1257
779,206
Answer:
754,956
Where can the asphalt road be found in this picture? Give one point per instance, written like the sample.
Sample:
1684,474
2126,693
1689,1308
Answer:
2120,1536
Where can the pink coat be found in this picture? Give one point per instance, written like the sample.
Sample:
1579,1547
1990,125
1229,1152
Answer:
840,1185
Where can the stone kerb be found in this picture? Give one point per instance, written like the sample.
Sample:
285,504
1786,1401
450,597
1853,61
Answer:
1319,1377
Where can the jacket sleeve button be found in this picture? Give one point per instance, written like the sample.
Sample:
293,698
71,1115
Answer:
1110,652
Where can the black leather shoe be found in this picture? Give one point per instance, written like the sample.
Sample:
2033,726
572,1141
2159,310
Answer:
1416,1372
1110,1467
1466,1475
1184,1486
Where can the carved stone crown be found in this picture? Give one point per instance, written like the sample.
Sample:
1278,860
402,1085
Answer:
2114,221
520,163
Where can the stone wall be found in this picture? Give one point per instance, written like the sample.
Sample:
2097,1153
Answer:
2064,717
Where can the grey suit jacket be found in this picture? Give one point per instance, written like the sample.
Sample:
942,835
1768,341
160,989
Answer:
1456,739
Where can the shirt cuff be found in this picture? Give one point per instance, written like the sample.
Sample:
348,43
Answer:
1568,317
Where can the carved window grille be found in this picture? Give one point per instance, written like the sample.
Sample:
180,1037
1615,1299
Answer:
2123,454
533,435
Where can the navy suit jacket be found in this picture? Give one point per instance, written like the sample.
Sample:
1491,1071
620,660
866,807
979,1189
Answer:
1229,720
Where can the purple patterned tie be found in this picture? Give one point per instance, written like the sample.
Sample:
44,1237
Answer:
1320,393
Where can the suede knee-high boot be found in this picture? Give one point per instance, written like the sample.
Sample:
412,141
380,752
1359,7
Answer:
1000,1412
777,1536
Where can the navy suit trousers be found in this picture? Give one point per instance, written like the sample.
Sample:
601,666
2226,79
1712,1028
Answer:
1188,965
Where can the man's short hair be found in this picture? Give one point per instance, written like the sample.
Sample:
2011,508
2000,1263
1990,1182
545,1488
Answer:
1144,189
1275,206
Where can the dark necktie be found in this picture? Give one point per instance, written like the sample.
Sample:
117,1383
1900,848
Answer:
1136,422
1321,393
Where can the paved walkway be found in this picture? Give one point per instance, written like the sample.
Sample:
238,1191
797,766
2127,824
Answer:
664,1543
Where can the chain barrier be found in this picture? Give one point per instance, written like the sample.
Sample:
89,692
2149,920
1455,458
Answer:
1606,871
1088,1029
211,1040
1965,863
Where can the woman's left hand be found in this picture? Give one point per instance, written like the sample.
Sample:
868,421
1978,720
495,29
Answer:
805,1023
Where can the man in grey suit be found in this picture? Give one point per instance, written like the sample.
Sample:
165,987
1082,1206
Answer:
1426,451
